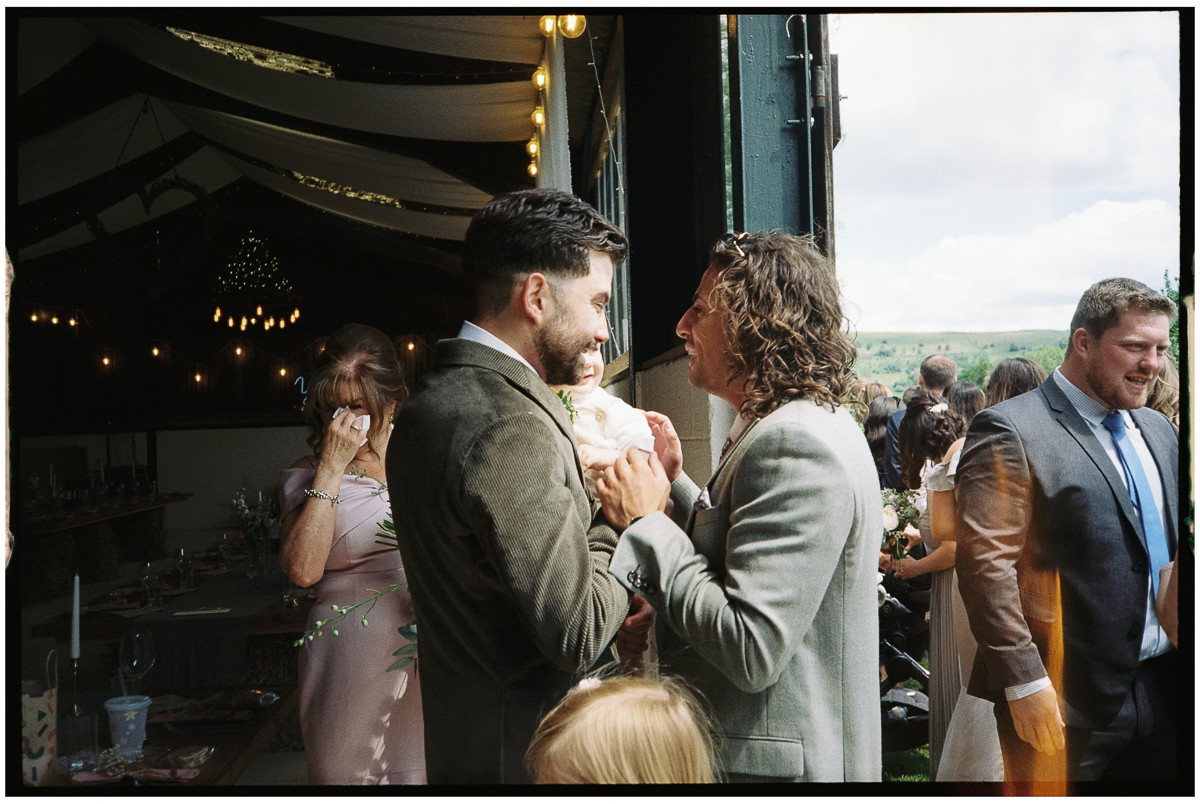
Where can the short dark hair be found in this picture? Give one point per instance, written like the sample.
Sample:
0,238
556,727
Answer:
544,230
783,317
355,355
938,371
1102,304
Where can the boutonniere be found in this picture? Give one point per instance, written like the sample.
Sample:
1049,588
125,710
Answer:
565,398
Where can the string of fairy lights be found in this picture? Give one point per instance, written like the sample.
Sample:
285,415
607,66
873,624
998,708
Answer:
570,26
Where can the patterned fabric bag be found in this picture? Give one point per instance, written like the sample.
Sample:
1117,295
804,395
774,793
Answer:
39,725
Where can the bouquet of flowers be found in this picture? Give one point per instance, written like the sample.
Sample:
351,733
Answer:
254,519
899,511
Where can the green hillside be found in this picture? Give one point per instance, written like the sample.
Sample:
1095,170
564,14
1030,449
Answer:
893,358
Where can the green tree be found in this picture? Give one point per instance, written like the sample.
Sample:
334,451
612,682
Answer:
1171,291
1048,356
976,372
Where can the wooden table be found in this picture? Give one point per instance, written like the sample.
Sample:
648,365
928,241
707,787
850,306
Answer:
237,743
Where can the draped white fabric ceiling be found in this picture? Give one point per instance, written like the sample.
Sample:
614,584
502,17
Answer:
286,123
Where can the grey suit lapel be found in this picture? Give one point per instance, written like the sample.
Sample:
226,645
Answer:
1068,417
462,352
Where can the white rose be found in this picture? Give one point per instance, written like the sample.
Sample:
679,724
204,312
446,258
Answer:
891,520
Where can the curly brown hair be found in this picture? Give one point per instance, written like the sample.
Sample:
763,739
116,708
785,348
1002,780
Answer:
784,323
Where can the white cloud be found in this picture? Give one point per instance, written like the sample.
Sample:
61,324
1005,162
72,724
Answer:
1032,280
994,165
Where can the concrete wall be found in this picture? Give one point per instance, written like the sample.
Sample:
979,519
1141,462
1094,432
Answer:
701,420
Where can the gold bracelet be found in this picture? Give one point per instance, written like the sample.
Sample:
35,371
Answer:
333,498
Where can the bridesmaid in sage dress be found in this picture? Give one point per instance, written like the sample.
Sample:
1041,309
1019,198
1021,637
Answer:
361,723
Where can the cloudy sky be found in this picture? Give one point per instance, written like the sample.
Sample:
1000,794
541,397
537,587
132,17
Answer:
992,166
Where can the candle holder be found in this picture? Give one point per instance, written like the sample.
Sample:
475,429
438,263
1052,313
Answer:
75,686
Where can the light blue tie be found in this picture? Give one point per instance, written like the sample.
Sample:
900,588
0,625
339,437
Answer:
1142,496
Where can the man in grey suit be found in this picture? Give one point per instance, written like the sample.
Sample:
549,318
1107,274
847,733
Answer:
1068,504
505,553
766,578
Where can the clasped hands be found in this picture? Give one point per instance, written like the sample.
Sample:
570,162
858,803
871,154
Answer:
639,483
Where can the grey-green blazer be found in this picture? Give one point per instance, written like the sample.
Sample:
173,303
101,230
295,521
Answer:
770,596
507,567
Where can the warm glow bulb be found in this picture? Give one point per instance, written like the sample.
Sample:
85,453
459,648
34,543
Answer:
197,377
33,318
283,372
540,76
547,24
105,361
217,314
238,351
54,320
154,351
282,323
71,322
533,170
538,117
258,310
411,346
571,25
230,321
532,147
296,312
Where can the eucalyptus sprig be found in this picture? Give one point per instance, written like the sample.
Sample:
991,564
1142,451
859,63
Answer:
342,612
565,397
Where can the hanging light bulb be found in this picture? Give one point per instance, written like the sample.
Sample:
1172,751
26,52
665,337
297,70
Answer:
154,351
71,323
533,169
238,351
538,117
571,25
54,320
540,77
243,324
197,378
258,310
411,346
532,147
283,372
33,318
105,360
296,312
231,321
547,24
282,323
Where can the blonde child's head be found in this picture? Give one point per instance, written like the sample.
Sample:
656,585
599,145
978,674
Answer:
624,730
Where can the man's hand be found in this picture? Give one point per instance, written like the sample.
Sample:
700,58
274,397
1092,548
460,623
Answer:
633,638
666,443
635,485
1038,720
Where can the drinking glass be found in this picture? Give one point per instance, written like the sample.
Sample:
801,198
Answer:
136,657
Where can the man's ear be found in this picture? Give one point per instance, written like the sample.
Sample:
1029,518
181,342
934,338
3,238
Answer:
1081,341
534,297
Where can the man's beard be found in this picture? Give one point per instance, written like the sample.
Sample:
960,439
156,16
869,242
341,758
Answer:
561,350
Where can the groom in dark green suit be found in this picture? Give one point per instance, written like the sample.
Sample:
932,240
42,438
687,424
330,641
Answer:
505,553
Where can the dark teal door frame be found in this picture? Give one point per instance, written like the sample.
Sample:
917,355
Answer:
783,105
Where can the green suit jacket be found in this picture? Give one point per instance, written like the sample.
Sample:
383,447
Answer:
505,556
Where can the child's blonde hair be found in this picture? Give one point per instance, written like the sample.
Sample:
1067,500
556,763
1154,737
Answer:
624,730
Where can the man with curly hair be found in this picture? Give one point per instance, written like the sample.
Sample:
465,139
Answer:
766,576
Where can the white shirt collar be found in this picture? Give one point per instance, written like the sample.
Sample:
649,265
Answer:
476,333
